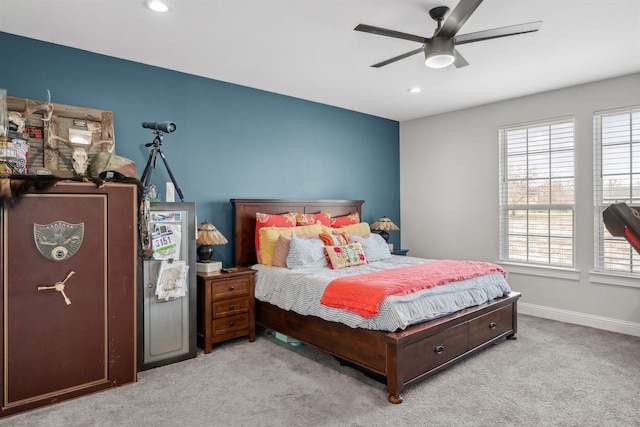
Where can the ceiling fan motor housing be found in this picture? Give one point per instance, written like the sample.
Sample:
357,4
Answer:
439,52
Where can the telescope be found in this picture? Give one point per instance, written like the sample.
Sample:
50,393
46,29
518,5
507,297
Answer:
158,127
168,127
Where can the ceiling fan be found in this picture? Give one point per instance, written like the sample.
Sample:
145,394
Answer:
440,50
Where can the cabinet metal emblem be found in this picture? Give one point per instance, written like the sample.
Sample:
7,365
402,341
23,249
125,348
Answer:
59,240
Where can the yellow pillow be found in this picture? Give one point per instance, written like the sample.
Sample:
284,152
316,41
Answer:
359,228
269,237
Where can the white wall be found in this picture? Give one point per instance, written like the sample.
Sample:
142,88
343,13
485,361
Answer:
449,199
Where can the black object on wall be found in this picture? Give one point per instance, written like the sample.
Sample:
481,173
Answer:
623,221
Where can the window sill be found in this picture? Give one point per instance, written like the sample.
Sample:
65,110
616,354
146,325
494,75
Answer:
540,270
617,279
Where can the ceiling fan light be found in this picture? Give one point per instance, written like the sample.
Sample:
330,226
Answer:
438,52
439,60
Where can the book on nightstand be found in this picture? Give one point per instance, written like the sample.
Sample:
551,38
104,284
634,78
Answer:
208,268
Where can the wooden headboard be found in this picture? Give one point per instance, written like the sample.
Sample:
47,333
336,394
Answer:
244,219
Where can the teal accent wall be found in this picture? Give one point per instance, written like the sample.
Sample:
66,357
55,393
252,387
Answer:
231,141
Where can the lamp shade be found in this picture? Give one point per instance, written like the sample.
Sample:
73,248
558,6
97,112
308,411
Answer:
208,234
384,224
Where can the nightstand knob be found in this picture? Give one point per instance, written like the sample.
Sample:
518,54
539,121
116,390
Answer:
231,288
493,325
439,349
231,323
232,307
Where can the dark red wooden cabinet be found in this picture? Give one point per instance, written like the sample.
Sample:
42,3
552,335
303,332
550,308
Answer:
53,350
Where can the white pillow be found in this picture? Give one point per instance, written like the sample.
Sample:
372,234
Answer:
375,247
305,253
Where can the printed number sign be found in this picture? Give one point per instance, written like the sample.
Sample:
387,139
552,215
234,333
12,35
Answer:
164,244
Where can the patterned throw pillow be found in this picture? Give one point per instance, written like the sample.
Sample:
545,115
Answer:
307,219
306,253
375,248
269,220
345,255
341,221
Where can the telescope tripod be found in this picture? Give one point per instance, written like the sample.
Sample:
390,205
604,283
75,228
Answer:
151,164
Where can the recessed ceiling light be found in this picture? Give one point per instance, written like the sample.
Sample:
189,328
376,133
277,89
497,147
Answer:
157,5
415,90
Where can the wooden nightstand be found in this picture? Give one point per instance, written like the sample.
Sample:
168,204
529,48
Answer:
225,307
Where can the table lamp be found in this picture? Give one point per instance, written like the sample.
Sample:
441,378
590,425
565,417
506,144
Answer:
208,236
382,225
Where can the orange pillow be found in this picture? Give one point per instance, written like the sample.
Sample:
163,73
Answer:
341,221
334,238
268,220
308,219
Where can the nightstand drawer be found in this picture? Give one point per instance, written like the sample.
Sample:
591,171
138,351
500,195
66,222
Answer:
225,325
230,306
231,287
490,326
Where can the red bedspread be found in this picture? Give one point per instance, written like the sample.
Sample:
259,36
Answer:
363,293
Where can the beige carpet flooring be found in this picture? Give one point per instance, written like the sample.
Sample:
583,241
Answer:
554,374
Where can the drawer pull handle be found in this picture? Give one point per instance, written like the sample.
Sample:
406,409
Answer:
231,288
232,307
232,323
439,349
493,325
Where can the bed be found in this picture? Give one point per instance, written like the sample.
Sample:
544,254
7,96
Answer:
400,358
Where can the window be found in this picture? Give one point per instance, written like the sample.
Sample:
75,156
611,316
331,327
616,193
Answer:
537,193
616,136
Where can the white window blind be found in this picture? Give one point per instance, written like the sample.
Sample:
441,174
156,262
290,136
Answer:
537,193
616,135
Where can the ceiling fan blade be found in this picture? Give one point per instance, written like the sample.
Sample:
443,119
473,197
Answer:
460,61
457,18
389,33
495,33
398,58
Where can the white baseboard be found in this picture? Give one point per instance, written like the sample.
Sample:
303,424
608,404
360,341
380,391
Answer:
598,322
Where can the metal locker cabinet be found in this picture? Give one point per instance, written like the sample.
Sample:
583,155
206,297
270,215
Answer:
167,329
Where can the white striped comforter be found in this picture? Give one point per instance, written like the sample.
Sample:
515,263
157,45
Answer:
300,291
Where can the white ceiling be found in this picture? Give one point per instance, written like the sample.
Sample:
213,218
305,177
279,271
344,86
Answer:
308,49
